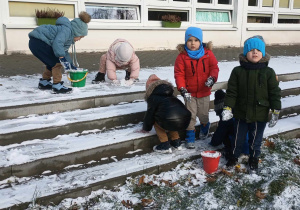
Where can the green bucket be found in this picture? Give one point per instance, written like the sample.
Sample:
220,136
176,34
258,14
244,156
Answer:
78,77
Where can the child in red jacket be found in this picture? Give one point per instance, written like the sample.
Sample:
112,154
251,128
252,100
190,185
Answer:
196,71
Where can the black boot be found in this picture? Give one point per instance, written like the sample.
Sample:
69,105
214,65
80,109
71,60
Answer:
231,162
175,143
127,76
100,77
253,163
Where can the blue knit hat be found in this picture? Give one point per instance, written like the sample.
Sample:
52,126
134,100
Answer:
80,28
255,42
195,32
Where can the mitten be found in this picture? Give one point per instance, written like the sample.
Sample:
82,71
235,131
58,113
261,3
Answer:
227,113
210,81
185,94
66,64
274,118
116,82
129,82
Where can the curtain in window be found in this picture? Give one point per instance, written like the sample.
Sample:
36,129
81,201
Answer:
209,16
284,3
296,4
267,3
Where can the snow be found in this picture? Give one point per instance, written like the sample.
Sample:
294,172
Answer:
26,92
210,154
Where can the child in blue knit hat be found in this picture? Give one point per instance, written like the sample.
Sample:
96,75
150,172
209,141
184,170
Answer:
196,71
253,90
50,45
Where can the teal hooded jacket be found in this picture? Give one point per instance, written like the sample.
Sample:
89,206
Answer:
61,36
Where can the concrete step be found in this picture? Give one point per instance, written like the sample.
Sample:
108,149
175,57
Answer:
11,112
51,125
82,181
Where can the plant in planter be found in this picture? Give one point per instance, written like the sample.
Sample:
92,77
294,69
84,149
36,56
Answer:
48,16
171,21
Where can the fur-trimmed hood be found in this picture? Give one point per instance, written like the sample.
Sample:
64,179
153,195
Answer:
208,46
152,86
264,59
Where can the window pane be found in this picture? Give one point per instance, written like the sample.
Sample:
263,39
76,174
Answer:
182,0
267,3
252,3
259,18
289,19
212,16
27,9
205,1
296,4
112,12
224,2
155,15
284,3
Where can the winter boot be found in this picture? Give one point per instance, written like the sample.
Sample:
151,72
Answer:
163,147
127,76
253,163
176,143
100,77
60,88
231,162
45,84
204,130
190,139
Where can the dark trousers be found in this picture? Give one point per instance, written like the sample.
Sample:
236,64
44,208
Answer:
255,132
223,134
43,52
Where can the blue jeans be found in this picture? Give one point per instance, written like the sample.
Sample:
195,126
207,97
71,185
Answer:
43,52
255,132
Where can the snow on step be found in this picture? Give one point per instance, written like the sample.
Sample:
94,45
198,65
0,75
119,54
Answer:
52,184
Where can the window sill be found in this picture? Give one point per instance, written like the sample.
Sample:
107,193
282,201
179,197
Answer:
273,28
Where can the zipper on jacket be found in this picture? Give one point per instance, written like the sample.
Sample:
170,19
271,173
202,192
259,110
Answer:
203,65
193,68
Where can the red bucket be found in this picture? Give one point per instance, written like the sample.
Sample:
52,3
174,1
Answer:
210,161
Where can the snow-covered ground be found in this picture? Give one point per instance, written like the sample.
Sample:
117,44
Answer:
19,90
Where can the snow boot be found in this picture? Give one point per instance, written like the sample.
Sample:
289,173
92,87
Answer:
100,77
190,139
231,162
176,143
45,84
127,76
163,147
60,88
253,163
204,130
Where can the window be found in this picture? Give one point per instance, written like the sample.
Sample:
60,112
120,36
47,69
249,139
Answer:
296,4
213,16
259,18
289,19
224,1
252,3
205,1
155,15
267,3
284,3
182,0
111,12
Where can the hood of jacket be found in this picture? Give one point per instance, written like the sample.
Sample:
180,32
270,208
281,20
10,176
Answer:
153,85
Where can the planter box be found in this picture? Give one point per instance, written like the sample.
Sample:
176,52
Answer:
43,21
171,25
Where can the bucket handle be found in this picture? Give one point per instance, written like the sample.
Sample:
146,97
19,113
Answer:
78,79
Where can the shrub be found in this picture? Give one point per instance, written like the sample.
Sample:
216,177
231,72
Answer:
49,13
171,18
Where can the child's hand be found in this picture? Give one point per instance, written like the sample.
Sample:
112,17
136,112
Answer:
274,119
116,82
210,81
129,82
67,66
227,113
185,94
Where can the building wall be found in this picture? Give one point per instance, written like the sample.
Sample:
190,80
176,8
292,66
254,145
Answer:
148,34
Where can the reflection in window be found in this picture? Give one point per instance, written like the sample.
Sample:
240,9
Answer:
224,1
267,3
155,15
252,3
212,16
284,3
259,18
205,1
289,19
112,12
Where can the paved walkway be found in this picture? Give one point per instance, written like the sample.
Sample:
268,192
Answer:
20,64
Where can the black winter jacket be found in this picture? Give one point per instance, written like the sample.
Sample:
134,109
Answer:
164,108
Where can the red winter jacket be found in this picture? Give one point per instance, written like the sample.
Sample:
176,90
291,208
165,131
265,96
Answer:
192,74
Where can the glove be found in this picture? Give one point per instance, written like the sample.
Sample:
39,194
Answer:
185,94
274,118
129,82
227,113
210,81
116,82
66,64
